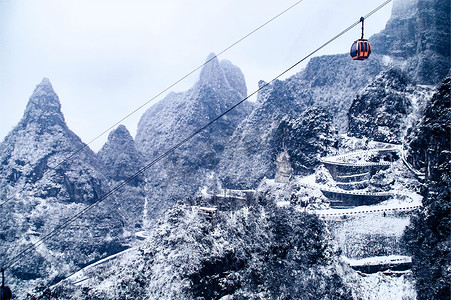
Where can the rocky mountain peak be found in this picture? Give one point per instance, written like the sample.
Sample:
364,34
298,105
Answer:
46,82
178,115
221,84
234,77
212,74
44,106
53,175
119,155
120,136
222,75
36,152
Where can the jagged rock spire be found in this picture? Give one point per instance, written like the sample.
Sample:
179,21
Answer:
222,74
220,86
212,74
35,153
119,155
44,106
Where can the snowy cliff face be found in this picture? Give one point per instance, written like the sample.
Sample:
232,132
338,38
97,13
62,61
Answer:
250,155
45,188
306,138
429,139
379,112
177,116
334,80
119,156
121,160
418,35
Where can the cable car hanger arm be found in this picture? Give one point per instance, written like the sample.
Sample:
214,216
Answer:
362,19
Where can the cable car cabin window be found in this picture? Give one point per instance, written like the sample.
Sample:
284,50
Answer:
354,50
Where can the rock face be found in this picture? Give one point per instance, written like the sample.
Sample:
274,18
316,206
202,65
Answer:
119,156
177,116
379,112
120,161
429,139
418,34
307,138
333,81
250,154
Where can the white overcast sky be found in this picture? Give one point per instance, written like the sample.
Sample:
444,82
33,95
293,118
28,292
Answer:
105,58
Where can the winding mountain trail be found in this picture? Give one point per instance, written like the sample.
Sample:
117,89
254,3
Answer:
366,223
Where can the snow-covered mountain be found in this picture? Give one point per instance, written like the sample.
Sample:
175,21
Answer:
35,154
166,123
221,85
333,82
47,175
121,160
119,156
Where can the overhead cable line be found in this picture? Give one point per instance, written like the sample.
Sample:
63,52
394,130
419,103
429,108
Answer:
69,221
159,94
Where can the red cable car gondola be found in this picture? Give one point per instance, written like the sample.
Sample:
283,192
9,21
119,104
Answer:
360,49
